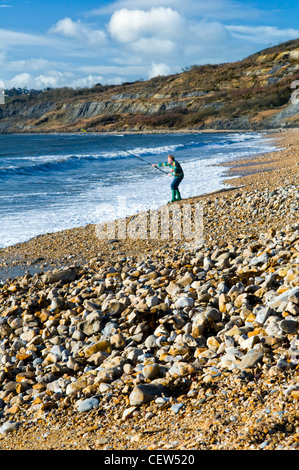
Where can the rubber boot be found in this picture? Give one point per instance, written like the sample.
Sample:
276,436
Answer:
177,195
172,195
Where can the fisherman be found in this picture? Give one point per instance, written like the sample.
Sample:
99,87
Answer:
177,173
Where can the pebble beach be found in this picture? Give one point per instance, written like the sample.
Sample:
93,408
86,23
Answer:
160,344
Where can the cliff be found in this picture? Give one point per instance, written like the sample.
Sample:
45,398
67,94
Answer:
256,93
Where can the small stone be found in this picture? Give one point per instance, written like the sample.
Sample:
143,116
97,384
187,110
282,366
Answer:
9,426
162,401
114,308
251,359
264,444
87,405
128,412
223,300
150,342
249,343
175,327
292,275
186,280
282,365
292,308
184,302
262,313
213,343
103,387
294,297
118,341
66,275
181,369
144,392
92,324
283,297
261,259
289,326
150,371
212,315
101,441
148,276
102,345
176,407
173,288
56,303
152,301
75,387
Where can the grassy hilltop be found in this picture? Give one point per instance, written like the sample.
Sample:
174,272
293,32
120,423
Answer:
254,93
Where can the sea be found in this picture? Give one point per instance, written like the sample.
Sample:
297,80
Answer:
53,182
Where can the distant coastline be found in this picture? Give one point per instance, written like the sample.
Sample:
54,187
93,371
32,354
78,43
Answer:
156,131
253,94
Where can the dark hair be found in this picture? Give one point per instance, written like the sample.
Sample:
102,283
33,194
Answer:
171,157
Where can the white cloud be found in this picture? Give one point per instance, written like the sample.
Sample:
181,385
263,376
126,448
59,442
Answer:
21,80
131,25
138,40
89,81
12,38
32,64
163,35
45,81
124,70
56,78
207,32
156,46
78,30
134,5
212,9
159,69
263,34
67,27
27,80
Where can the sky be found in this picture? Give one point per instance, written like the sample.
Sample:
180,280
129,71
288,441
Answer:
80,43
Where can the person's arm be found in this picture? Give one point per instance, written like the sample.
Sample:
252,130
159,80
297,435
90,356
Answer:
160,164
163,164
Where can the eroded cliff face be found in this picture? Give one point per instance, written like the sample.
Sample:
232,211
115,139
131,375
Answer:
256,93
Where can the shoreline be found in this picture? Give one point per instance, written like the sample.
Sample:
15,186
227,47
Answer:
162,131
34,255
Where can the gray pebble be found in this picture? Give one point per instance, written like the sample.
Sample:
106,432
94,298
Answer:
87,405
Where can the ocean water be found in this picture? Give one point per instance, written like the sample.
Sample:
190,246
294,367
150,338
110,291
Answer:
52,182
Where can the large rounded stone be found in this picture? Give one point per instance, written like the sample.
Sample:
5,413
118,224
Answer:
145,392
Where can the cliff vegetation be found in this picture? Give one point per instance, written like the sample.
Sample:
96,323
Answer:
254,93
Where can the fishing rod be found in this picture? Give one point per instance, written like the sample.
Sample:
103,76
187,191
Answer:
136,156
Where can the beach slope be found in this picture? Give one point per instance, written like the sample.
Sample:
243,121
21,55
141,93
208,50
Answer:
151,343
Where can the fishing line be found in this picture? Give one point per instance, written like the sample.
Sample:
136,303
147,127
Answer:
135,156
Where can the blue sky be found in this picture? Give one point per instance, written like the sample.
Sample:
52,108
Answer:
61,43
